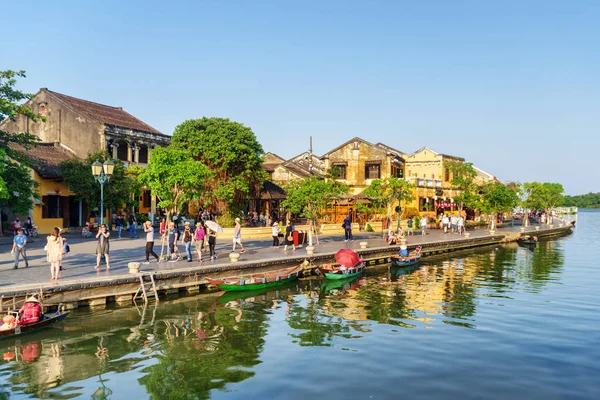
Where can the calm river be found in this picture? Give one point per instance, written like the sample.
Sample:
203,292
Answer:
507,322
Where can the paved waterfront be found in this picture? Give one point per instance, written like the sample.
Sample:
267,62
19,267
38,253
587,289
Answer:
79,264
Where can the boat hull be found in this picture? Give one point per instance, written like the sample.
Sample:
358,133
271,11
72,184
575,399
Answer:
335,273
258,281
398,261
48,320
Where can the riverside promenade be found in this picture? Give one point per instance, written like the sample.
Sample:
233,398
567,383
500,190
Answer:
79,278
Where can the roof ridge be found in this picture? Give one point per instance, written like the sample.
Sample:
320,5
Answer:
87,101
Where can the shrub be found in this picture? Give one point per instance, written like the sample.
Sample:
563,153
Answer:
369,228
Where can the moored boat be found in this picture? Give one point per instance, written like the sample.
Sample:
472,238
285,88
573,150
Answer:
527,240
49,319
406,259
337,272
258,281
349,265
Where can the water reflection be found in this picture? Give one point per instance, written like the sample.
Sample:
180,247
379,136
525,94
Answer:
188,347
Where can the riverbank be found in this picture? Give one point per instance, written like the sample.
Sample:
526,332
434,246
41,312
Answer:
80,285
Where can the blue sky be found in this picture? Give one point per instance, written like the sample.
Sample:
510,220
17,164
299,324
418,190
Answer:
512,86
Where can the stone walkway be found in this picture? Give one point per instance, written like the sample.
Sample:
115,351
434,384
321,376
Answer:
80,262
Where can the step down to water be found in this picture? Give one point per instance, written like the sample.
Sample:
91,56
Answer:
147,288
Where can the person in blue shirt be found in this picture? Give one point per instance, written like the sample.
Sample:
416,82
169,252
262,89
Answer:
18,249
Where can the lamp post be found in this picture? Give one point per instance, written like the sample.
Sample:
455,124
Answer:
398,210
102,173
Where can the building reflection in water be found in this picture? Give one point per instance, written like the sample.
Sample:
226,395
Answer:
190,346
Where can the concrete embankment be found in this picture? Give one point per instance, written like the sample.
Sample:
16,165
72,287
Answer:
121,288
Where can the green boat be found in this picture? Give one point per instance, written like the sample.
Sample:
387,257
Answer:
338,273
258,281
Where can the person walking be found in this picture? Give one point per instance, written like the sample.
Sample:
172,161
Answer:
445,223
237,235
54,252
133,226
187,238
119,224
198,241
150,242
460,224
289,236
103,246
348,228
453,221
275,234
18,248
66,249
163,226
423,225
173,235
410,227
212,241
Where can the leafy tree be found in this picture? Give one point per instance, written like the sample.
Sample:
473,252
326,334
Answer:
589,200
543,196
174,177
463,179
230,150
309,197
384,193
17,187
121,190
11,105
497,198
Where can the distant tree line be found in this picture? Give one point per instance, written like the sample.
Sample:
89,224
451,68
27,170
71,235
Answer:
590,200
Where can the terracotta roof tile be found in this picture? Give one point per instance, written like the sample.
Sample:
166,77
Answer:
44,158
105,114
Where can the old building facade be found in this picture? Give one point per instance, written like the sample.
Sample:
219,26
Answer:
82,127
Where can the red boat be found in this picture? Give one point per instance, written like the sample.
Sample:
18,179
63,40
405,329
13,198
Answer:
48,319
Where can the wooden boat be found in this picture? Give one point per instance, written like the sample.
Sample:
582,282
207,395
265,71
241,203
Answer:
48,319
527,240
328,284
405,261
258,281
337,272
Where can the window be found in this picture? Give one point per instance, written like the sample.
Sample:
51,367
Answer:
372,171
339,171
447,175
52,207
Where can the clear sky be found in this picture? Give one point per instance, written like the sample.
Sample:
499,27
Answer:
512,86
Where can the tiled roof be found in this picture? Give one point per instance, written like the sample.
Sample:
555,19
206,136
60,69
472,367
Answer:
102,113
43,158
271,191
269,167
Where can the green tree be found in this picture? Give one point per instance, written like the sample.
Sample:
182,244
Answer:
310,197
12,104
463,179
231,151
121,190
17,187
589,200
385,193
543,196
497,198
14,193
174,177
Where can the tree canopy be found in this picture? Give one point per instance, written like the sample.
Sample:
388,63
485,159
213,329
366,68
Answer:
497,198
543,196
174,177
463,179
589,200
230,150
117,192
17,187
12,104
384,193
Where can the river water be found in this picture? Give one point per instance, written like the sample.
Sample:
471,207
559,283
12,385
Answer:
502,322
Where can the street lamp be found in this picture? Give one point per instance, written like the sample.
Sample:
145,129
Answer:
102,173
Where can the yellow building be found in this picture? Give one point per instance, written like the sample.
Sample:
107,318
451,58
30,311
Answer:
425,169
57,206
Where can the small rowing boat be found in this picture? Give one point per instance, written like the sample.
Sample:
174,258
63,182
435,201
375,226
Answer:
337,272
48,319
527,240
406,259
258,281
